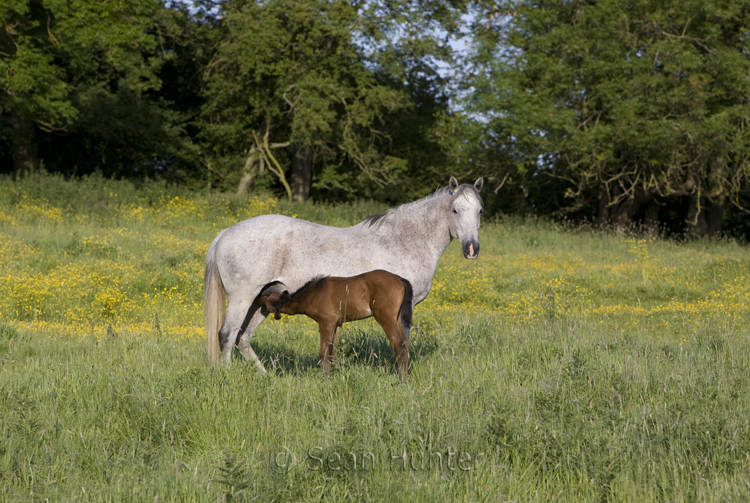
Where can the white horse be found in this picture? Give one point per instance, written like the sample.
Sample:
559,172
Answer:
275,253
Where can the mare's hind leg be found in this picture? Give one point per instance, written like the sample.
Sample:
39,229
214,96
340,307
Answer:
237,312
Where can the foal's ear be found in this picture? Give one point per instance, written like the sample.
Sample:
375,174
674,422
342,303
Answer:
276,306
266,302
453,184
479,184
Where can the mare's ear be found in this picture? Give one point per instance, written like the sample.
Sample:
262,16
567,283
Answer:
453,184
479,184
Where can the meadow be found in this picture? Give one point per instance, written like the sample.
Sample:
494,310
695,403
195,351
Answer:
565,364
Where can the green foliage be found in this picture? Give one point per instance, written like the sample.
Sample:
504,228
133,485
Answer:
613,111
86,73
145,88
30,82
297,73
622,103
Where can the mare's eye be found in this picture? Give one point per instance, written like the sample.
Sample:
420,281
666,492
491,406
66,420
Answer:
481,211
454,210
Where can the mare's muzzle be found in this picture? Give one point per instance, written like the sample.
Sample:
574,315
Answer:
471,249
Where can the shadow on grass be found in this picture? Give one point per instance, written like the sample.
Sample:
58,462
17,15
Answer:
280,359
356,347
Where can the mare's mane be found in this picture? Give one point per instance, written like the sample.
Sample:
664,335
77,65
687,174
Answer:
398,213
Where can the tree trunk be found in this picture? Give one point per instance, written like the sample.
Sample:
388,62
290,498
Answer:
696,217
603,216
302,162
651,220
250,171
623,213
245,182
715,203
714,216
22,145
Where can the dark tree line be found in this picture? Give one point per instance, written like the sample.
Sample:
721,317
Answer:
617,110
612,111
333,97
79,85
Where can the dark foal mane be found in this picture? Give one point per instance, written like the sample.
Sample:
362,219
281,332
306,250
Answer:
307,286
286,297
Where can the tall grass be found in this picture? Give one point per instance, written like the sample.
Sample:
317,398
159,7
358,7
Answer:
563,365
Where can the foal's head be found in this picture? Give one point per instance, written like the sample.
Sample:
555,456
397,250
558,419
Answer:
275,302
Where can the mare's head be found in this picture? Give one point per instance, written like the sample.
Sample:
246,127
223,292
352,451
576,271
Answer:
465,211
274,302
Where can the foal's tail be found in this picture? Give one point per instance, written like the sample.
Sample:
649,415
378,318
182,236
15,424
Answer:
213,303
406,307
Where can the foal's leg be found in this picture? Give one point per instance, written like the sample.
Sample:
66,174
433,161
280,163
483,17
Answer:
328,332
399,343
336,331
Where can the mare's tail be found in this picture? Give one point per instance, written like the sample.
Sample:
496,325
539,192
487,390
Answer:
406,307
213,303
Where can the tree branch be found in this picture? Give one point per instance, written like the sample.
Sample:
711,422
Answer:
273,164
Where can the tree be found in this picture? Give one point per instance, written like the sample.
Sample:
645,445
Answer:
628,105
291,73
75,78
332,97
313,82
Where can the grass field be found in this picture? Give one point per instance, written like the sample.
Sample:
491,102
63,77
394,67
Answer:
563,365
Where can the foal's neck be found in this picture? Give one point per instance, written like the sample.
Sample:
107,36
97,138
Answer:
294,306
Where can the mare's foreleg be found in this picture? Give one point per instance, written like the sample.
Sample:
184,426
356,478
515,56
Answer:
240,314
255,316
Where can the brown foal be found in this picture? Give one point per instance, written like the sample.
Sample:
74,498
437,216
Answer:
333,301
